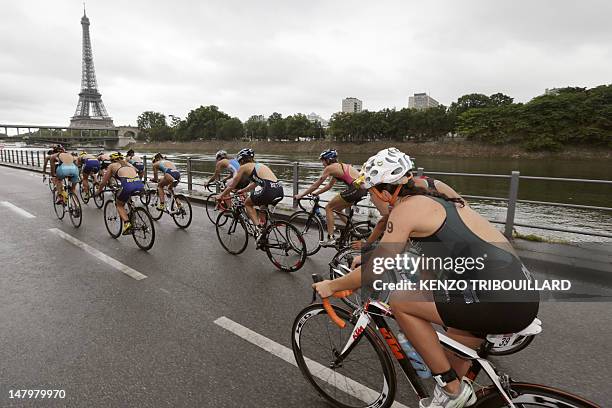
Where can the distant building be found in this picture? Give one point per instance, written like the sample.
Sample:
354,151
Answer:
421,101
551,91
351,105
313,117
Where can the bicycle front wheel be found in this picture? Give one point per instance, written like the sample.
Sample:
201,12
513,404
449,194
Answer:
98,198
364,378
60,210
112,221
311,229
74,210
153,201
284,246
211,207
526,395
143,230
231,232
181,211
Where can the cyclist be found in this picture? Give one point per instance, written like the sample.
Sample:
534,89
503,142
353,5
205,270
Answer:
224,163
263,182
89,164
129,184
170,174
104,160
135,161
335,171
62,166
443,226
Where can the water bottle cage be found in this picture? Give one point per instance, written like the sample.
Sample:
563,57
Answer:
443,379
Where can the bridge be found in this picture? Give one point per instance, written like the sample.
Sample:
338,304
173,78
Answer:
197,322
114,137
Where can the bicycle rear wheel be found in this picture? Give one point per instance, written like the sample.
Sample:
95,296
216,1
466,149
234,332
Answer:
311,229
98,199
526,395
231,232
74,210
364,378
345,258
60,210
181,211
284,246
361,230
143,230
112,221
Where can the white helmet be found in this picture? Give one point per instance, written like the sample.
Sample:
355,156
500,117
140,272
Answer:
388,166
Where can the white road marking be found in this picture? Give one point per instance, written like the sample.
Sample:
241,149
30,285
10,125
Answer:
132,273
359,390
16,209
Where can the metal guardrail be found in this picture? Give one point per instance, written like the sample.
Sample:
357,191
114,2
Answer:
35,159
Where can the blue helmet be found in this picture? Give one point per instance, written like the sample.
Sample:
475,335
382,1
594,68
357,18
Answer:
328,154
245,153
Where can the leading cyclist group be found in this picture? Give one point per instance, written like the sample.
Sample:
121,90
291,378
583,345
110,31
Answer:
414,210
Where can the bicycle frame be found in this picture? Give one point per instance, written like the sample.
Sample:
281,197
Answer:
374,312
348,218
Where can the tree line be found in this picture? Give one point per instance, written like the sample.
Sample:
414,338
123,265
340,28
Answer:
561,117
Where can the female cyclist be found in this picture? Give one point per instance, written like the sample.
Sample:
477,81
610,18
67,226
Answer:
169,175
335,171
442,227
264,184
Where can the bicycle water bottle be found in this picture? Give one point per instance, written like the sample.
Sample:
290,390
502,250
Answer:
415,358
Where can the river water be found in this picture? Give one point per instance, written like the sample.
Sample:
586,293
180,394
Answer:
537,190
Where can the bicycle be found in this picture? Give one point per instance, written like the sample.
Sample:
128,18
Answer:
279,239
99,198
72,206
327,339
143,230
212,205
314,225
177,205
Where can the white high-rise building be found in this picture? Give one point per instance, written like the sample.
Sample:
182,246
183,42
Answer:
421,101
351,105
313,117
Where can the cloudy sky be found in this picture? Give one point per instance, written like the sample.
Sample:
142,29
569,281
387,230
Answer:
256,57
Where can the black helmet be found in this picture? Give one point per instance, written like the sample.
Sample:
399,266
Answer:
130,152
245,153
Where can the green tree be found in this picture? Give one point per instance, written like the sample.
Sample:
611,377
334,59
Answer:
276,126
231,129
154,127
256,128
297,126
202,123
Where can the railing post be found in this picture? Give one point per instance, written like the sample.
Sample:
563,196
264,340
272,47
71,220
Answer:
512,197
20,156
32,157
27,159
38,157
420,171
144,163
296,182
189,175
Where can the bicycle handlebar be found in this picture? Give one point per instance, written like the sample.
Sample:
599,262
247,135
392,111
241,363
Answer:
314,198
327,305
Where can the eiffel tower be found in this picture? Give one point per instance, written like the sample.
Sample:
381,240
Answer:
90,111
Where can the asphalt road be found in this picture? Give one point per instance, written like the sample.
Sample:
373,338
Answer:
70,321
